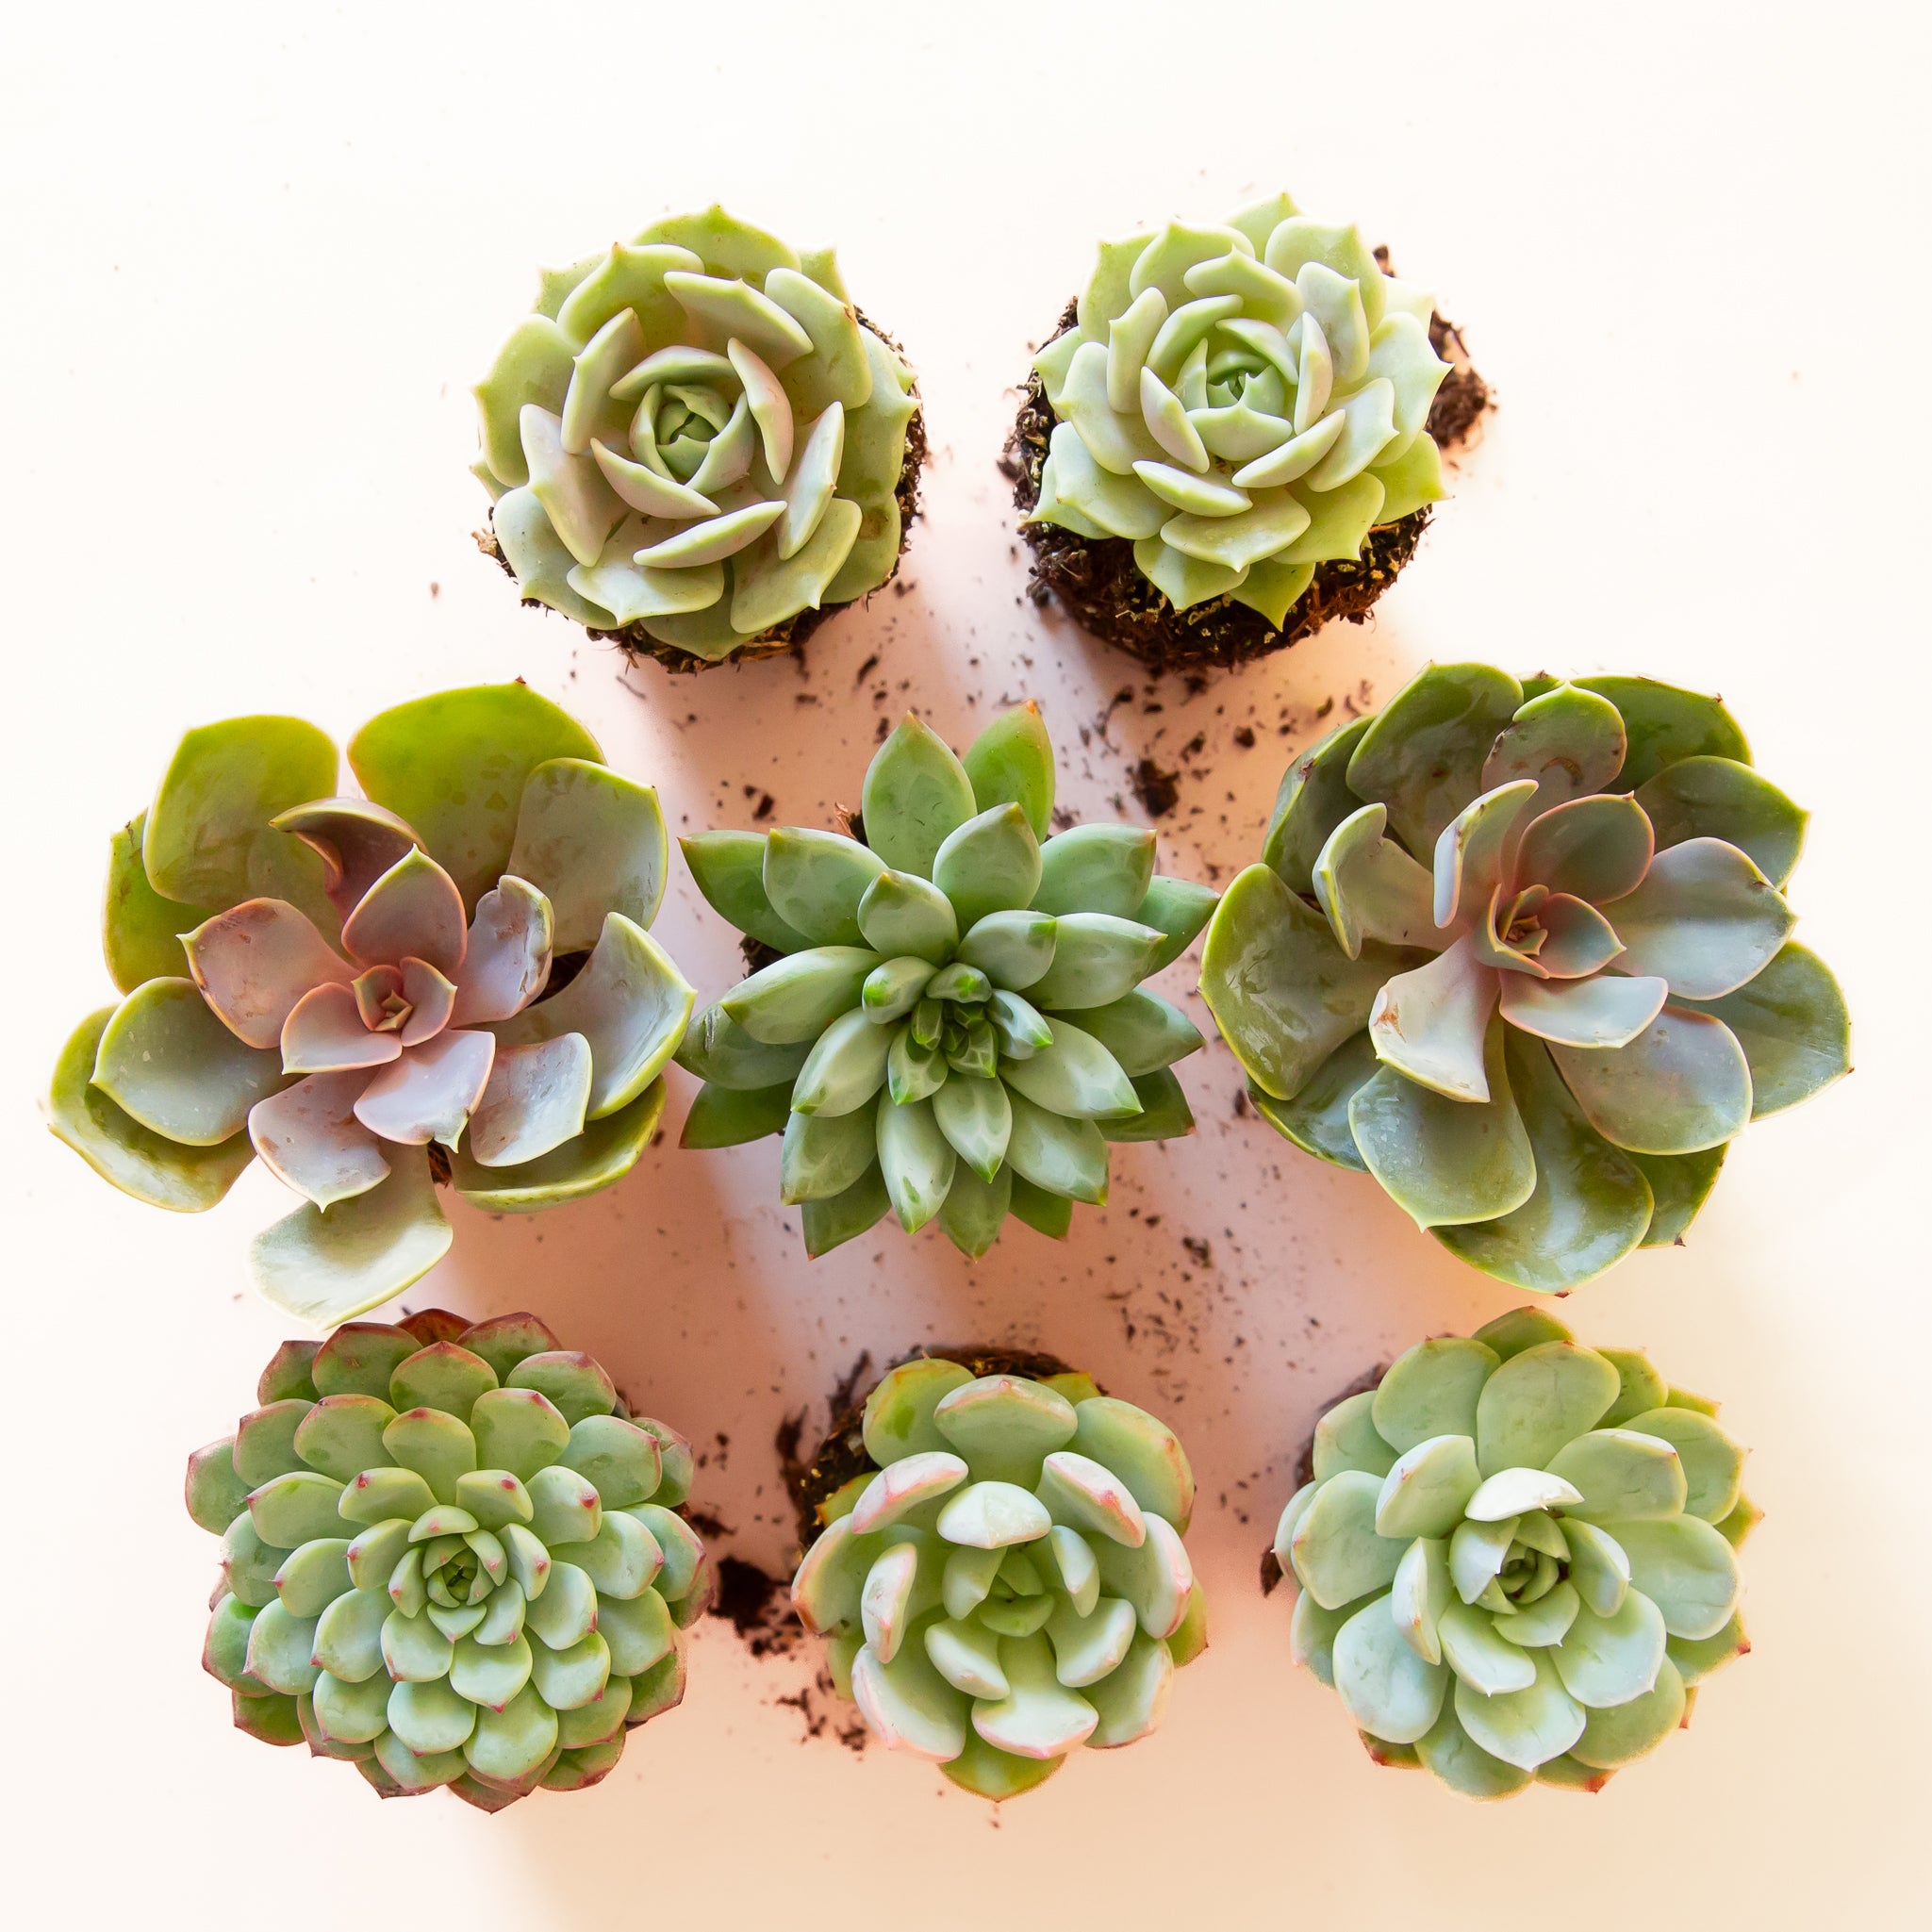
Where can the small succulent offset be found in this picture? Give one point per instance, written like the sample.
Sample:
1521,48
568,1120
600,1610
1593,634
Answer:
1244,403
364,992
1517,1559
451,1556
1521,951
1010,1581
956,1028
694,434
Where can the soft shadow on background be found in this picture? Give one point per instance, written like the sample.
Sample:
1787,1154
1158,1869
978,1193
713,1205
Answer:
260,262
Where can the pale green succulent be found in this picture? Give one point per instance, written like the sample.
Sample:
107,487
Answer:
1521,951
451,1556
694,434
1244,403
956,1028
359,990
1006,1578
1517,1559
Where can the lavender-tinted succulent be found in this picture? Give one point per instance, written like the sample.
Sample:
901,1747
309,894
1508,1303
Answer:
956,1028
1517,1557
1007,1580
449,1556
361,991
1520,950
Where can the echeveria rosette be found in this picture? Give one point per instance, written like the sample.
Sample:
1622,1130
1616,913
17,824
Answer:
956,1027
1517,1557
1008,1580
1242,403
451,1556
1521,951
693,440
359,990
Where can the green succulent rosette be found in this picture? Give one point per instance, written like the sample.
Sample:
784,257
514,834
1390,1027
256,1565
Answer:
955,1028
449,978
694,441
1006,1580
1521,951
1517,1559
451,1556
1242,403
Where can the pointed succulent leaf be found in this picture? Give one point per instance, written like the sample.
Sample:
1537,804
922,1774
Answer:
916,794
901,914
1713,1464
720,1052
1722,798
1371,888
1097,960
1605,1662
914,1158
844,1217
846,1067
976,1118
729,868
414,910
1345,1438
1314,798
909,1704
990,863
1621,1735
1421,1592
1599,1567
1473,1647
1063,1155
360,1359
1095,869
1010,762
1686,1568
816,881
1335,1551
1177,907
796,998
1624,1474
1516,1491
1385,1686
1472,855
1607,1011
823,1155
899,1413
343,1435
1426,1489
1014,950
1430,1024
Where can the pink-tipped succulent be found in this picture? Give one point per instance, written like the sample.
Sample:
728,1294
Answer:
451,1556
449,978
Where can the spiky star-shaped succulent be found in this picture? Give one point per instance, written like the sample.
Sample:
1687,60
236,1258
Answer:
957,1026
1244,403
694,441
1521,951
451,1556
1006,1581
1517,1557
364,991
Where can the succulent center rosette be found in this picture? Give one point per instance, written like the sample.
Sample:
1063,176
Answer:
1517,1557
449,1556
1244,403
1521,951
1009,1581
694,434
957,1026
397,991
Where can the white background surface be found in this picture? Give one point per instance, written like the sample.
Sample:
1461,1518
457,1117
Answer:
255,257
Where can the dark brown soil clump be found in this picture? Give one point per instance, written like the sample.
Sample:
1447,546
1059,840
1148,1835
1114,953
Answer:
635,641
1101,586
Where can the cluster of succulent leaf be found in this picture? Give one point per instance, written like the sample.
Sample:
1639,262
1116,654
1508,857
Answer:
451,1557
694,433
340,986
1242,403
956,1027
1517,1559
1010,1581
1521,951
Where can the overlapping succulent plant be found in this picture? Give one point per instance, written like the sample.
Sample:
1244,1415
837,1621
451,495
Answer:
451,1556
1521,951
695,435
1008,1580
366,992
1244,403
956,1027
1517,1557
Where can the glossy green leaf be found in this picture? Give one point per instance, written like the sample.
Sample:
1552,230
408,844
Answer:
168,1063
830,1223
916,794
729,868
140,929
1686,1568
1713,1465
591,842
1705,919
329,1267
1666,724
598,1157
729,1116
796,998
1720,798
1095,869
1312,799
1682,1085
1792,1022
902,915
1178,908
1433,1389
1010,762
1538,1400
1385,1686
1422,754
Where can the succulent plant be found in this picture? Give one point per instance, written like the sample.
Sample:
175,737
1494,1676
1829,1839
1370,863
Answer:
449,1554
361,990
1517,1557
1521,951
955,1027
693,440
1005,1579
1242,403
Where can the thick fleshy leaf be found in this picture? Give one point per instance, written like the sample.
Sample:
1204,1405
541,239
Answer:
1422,754
1704,919
1470,856
1313,800
1624,1474
1605,1662
1538,1400
1385,1686
844,1217
223,785
796,998
1316,1120
327,1268
431,1092
718,1051
1604,1011
846,1067
1522,1728
1592,1206
1430,1024
413,911
909,1704
1686,1568
1142,1032
1097,960
507,959
1283,994
1433,1389
140,929
1074,1075
1474,1647
1598,1566
455,767
1544,1622
310,1138
1721,798
1179,908
1010,762
1622,1735
990,863
1424,1490
1335,1550
1570,740
1095,869
255,963
1130,1699
902,915
1064,1157
1371,888
630,1002
1155,1577
357,842
597,1158
729,868
1597,849
533,1100
1681,1086
816,881
1140,1450
915,795
1012,948
976,1118
1713,1464
1445,1162
1423,1590
171,1067
1792,1022
915,1161
1451,1755
1345,1438
591,842
1665,724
